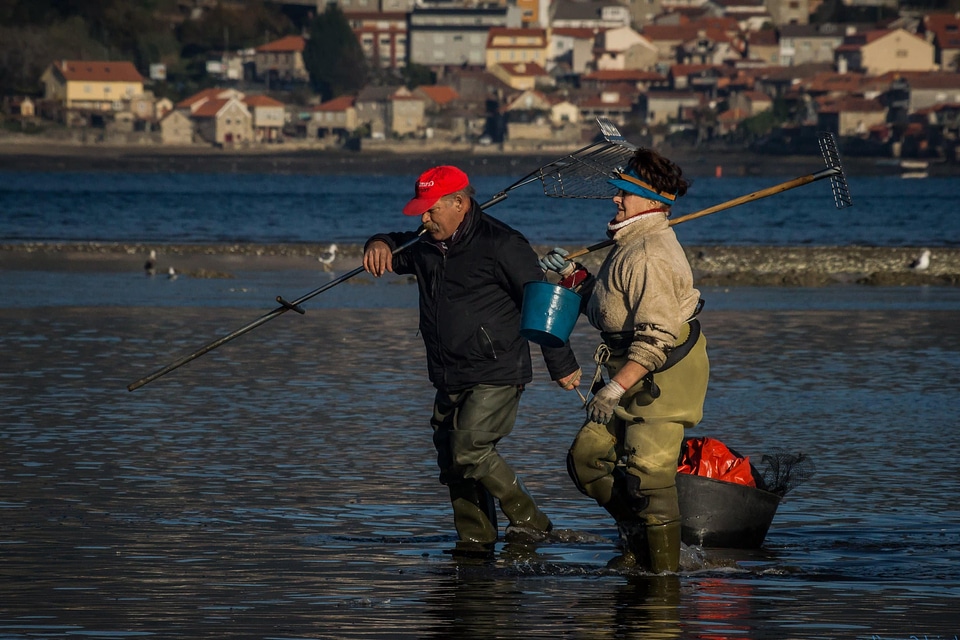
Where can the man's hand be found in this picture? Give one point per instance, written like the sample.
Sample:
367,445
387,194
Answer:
557,261
572,381
378,258
600,409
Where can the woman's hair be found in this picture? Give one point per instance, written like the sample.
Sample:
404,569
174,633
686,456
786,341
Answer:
659,172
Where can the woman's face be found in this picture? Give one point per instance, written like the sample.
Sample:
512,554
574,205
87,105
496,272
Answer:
630,205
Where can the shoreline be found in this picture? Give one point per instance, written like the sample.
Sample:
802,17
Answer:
775,266
398,159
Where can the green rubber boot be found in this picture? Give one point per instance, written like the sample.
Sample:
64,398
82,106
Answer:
663,543
474,512
518,505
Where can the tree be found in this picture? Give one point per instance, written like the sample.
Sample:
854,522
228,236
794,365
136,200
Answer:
333,56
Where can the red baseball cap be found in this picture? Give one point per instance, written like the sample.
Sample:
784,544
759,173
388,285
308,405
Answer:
432,185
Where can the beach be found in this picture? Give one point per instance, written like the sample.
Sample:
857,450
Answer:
763,266
25,153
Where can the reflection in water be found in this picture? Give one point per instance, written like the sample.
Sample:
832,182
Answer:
284,485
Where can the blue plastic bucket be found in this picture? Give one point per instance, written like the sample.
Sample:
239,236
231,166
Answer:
549,313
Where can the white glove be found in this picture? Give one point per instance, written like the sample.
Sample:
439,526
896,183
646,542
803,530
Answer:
605,401
556,261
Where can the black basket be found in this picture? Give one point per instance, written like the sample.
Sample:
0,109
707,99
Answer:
723,514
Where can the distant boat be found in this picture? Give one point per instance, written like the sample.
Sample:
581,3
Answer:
914,174
915,165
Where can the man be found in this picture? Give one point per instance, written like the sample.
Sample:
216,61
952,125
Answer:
471,274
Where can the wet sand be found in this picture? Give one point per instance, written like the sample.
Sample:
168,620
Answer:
712,265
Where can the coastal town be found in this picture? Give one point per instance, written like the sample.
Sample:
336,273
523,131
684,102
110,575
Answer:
524,75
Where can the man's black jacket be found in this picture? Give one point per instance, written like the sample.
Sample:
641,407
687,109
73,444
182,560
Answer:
470,300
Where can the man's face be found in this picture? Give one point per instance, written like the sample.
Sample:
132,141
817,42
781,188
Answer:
443,218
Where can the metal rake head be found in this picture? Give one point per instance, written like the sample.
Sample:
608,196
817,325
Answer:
838,181
584,173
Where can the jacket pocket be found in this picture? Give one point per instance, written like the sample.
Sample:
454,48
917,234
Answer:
487,345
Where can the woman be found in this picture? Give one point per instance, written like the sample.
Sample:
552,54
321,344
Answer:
644,304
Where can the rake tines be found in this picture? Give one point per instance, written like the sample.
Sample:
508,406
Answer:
584,173
838,181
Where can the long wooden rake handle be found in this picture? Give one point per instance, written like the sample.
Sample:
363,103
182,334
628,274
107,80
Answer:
829,172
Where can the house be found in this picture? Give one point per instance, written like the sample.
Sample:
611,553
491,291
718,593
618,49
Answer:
706,39
522,75
197,100
224,122
945,30
85,90
336,117
876,52
623,48
516,45
442,36
20,107
764,47
406,113
588,14
808,43
750,15
281,61
750,103
528,117
372,107
704,78
664,107
143,107
850,115
571,48
563,112
269,116
177,128
534,13
617,107
382,36
789,12
612,79
929,89
729,120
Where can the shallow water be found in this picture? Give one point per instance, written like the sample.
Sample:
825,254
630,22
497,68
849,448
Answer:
284,485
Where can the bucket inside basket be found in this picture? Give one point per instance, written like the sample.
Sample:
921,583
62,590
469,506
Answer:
549,313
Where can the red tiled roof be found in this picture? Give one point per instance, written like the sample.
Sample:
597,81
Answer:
205,94
286,44
849,103
623,75
262,101
440,94
584,33
98,71
597,102
211,108
341,103
946,28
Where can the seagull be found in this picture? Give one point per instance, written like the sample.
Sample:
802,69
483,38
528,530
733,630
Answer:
326,258
922,262
150,266
172,274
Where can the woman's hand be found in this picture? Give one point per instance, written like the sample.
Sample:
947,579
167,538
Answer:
557,261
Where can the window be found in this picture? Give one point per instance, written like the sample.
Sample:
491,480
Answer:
902,53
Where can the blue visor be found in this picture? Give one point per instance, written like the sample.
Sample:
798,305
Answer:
630,182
